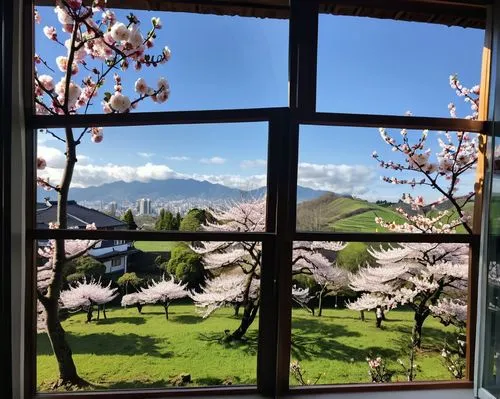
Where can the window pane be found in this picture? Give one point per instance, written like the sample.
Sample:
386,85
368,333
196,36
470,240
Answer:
216,62
169,315
379,66
183,170
361,180
370,312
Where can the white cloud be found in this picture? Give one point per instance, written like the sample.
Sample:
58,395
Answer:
178,158
55,158
234,181
44,137
253,163
341,179
357,180
213,160
96,175
146,154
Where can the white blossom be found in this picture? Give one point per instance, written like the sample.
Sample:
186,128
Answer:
119,32
119,102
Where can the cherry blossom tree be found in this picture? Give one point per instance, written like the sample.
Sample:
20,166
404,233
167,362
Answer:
417,275
86,294
133,299
163,291
458,155
237,265
94,47
430,278
331,280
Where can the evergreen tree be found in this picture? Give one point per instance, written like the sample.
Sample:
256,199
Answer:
128,218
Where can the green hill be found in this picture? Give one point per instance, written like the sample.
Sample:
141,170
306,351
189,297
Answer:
331,212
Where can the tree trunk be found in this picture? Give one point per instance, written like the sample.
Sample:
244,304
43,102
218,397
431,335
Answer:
417,330
237,309
165,306
62,351
362,315
248,317
139,308
89,314
320,304
104,311
98,312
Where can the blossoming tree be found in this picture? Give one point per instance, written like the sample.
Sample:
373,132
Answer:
94,45
417,275
237,265
163,291
330,280
430,278
86,294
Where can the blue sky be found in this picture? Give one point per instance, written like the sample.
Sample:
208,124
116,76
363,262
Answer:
364,66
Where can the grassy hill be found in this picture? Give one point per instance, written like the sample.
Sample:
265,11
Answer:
331,212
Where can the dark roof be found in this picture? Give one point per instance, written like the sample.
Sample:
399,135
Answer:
114,254
463,13
78,216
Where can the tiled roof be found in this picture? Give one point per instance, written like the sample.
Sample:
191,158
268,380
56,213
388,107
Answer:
78,216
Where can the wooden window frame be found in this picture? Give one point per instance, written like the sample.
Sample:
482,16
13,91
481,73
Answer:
283,145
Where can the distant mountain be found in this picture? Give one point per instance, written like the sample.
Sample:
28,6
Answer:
170,190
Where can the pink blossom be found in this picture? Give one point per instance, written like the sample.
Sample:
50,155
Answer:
141,86
119,32
63,17
119,102
50,32
47,82
40,163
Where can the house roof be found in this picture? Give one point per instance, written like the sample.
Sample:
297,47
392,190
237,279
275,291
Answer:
114,253
78,216
463,13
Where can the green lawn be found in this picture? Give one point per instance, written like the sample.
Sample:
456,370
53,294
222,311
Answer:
155,246
130,350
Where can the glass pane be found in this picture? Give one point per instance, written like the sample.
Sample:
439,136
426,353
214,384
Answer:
378,312
212,62
380,66
165,316
180,170
491,358
369,180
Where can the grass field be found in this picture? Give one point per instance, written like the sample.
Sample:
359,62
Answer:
130,350
155,246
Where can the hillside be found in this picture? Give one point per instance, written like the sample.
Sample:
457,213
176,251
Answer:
332,212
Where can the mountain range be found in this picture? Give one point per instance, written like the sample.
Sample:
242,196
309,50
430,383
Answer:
169,190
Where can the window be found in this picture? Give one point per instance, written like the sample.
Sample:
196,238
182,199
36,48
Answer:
256,219
116,262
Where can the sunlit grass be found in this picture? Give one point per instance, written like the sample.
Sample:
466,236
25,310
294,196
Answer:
155,246
130,350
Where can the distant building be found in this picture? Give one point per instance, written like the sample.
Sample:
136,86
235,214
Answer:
112,253
112,208
144,206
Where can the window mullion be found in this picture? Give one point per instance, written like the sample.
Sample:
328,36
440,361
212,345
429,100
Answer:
285,229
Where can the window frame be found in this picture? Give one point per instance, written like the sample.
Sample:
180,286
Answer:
284,123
